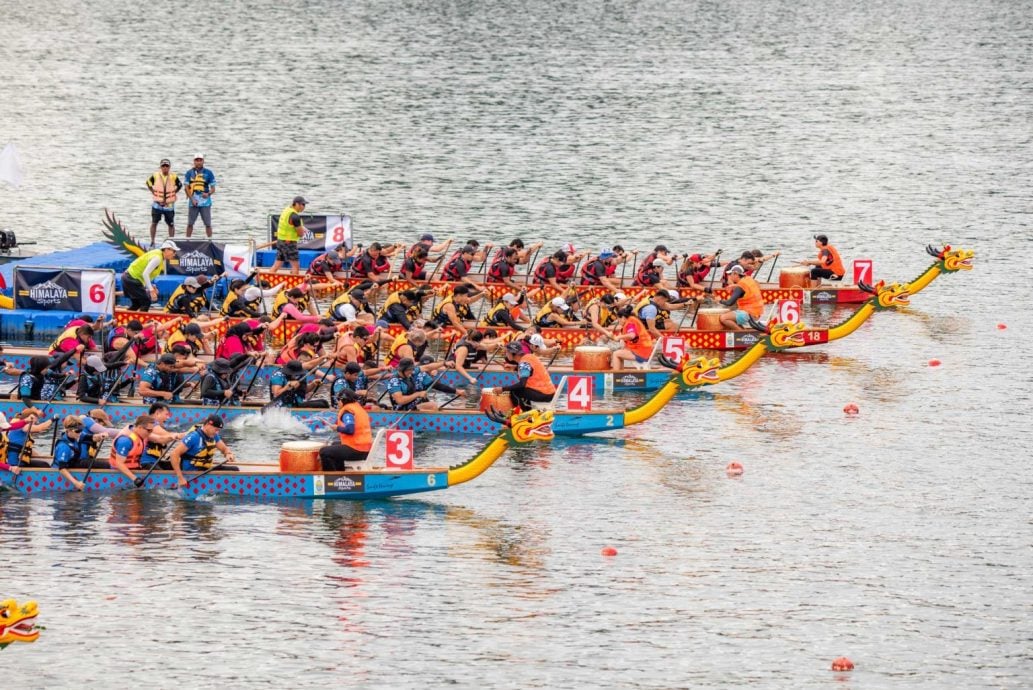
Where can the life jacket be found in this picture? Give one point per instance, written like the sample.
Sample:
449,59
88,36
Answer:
281,301
232,308
113,335
149,343
499,270
205,457
564,273
833,262
414,267
195,304
135,270
493,317
393,298
456,268
642,345
227,304
164,189
539,380
367,264
65,335
135,453
541,274
284,230
644,268
71,445
20,443
178,337
340,301
661,314
368,352
473,355
593,271
399,342
544,317
325,264
606,316
362,439
154,451
89,444
752,302
439,317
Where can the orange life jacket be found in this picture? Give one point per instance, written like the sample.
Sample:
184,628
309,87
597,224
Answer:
832,261
134,455
539,379
362,439
642,345
164,189
752,302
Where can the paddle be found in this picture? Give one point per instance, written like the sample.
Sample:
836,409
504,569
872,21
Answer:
713,275
42,415
233,385
89,468
332,367
772,271
157,462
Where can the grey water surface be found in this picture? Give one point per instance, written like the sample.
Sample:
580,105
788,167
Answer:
900,538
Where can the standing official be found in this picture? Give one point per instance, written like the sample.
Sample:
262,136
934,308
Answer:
200,184
164,186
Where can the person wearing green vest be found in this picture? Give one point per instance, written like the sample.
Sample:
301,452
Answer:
287,233
136,281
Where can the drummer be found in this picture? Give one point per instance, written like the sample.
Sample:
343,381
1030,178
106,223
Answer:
746,298
533,384
637,340
196,450
828,264
354,433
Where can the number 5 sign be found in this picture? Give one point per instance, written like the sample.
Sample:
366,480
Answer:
674,348
579,393
399,450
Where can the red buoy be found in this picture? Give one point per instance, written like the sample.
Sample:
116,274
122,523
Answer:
608,551
1001,326
842,664
734,469
851,408
934,362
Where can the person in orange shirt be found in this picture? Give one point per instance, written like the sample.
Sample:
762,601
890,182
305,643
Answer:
533,384
355,432
828,264
637,340
745,297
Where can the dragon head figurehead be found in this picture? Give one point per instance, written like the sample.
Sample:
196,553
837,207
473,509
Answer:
116,234
524,427
952,260
785,335
886,296
699,371
18,623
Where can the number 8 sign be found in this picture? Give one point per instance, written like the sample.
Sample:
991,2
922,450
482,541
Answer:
399,449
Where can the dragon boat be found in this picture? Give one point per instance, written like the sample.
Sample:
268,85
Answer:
268,481
18,623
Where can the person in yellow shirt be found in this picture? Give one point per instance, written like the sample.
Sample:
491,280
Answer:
137,282
288,232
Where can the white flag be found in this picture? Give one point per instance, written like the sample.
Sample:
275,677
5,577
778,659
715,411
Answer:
11,170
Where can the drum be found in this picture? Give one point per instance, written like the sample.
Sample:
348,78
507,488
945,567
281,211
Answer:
502,402
300,456
591,358
709,319
795,277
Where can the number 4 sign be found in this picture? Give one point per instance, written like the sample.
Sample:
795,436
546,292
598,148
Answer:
579,393
399,450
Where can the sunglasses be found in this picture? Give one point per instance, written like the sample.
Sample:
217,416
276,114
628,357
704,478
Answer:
165,165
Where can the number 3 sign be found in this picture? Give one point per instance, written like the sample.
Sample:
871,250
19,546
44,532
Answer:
399,450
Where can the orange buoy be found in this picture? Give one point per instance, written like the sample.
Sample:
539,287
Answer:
1001,326
842,664
608,551
734,469
935,362
851,408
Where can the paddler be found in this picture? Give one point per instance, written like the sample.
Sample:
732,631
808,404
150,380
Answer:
43,380
396,309
349,306
694,271
328,264
506,312
196,450
472,351
655,310
297,304
189,298
533,384
555,314
638,342
413,344
410,385
217,386
354,379
288,231
17,442
746,297
546,274
78,338
413,266
355,437
93,384
601,315
373,267
599,270
160,380
828,264
455,311
288,388
650,271
458,267
503,269
137,280
159,437
129,447
68,452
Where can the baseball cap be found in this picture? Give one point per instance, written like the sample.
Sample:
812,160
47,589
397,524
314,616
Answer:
605,254
509,298
300,200
696,257
96,362
191,282
568,247
215,420
252,293
537,340
198,155
358,294
673,294
169,244
426,237
560,303
167,359
620,296
165,161
824,239
737,269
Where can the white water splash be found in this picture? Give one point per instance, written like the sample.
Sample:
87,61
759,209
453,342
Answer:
274,419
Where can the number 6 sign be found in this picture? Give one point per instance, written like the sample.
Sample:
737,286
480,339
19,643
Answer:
97,291
788,311
399,450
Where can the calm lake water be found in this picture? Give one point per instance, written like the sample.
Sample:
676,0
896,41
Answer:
899,538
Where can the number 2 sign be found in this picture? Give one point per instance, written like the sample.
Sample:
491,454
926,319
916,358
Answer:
579,393
399,449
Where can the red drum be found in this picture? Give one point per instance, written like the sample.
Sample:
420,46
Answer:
795,277
300,456
502,402
591,358
709,319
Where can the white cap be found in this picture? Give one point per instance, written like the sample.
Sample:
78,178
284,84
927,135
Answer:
510,298
96,362
569,247
198,155
537,340
191,282
560,303
169,244
673,294
252,293
619,296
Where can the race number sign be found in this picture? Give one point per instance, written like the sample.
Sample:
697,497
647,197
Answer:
863,271
579,393
399,449
322,232
788,311
674,348
88,291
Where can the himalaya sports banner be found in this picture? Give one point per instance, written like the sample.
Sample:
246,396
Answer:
322,232
90,291
203,257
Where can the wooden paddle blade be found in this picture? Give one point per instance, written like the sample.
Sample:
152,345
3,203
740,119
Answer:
667,362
